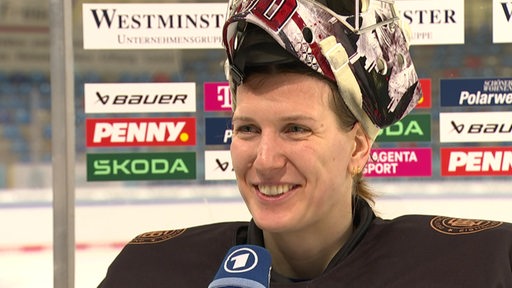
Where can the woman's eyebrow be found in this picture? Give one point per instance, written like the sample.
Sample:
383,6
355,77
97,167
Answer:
297,118
241,118
288,118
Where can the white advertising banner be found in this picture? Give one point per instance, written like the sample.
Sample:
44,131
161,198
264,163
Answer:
153,25
501,21
140,97
433,22
475,127
218,165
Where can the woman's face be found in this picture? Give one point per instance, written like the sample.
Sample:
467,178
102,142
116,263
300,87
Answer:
291,158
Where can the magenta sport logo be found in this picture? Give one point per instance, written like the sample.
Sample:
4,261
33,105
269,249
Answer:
399,162
217,97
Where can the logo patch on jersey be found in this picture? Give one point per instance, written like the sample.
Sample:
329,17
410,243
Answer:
458,226
156,236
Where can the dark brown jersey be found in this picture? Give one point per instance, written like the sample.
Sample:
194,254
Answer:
409,251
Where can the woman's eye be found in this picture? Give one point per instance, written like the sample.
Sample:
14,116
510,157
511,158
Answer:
296,129
245,129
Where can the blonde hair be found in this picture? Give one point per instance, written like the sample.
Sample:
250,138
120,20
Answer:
347,120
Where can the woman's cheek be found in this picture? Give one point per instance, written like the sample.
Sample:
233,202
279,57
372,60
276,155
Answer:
239,155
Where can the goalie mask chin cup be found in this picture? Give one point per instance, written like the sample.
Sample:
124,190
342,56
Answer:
362,47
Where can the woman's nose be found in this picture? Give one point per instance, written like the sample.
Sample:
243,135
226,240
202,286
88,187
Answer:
270,154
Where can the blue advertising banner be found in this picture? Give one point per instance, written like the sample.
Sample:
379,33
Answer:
476,92
218,131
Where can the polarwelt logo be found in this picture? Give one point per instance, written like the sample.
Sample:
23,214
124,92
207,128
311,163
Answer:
476,92
476,161
140,132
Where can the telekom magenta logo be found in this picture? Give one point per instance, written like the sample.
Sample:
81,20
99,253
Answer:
217,96
399,162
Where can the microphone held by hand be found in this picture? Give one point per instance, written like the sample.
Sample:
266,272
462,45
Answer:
245,266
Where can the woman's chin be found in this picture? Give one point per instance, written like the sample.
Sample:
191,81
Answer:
272,224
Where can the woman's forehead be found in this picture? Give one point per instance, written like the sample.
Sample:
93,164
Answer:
290,93
291,85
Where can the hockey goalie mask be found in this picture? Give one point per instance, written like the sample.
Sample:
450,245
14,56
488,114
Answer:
363,49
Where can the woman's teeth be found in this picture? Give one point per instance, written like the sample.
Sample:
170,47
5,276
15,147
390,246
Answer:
274,189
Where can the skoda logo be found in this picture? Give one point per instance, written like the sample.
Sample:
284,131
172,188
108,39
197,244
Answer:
241,260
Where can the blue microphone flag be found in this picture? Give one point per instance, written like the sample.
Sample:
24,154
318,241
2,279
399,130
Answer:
245,266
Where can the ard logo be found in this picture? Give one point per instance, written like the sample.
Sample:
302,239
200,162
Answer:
241,260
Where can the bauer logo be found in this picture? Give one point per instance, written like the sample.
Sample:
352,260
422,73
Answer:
140,132
476,92
475,127
413,128
218,131
476,161
141,166
407,162
217,96
153,25
140,97
434,21
218,165
501,21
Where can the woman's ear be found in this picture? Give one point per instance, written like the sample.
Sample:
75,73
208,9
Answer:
361,149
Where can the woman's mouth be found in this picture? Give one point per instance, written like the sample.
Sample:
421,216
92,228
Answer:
275,190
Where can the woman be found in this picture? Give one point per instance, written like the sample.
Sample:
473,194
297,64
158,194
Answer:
308,102
287,143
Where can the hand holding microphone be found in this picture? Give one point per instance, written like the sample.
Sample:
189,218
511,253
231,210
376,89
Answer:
245,266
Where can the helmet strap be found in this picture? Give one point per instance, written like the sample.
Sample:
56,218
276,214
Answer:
347,83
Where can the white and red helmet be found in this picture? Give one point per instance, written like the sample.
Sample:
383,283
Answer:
359,45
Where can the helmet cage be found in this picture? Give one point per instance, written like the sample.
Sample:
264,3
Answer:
366,54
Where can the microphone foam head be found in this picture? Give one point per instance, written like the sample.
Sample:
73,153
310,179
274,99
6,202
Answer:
245,266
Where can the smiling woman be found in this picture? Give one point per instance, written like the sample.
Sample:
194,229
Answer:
284,137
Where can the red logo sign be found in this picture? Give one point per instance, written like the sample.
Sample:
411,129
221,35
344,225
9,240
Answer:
425,101
476,161
140,132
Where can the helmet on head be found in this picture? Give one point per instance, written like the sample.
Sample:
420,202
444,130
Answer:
360,45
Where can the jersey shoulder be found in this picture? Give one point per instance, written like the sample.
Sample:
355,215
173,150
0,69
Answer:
424,232
438,251
453,226
191,236
157,258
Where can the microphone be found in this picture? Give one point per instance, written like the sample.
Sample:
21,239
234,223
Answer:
245,266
